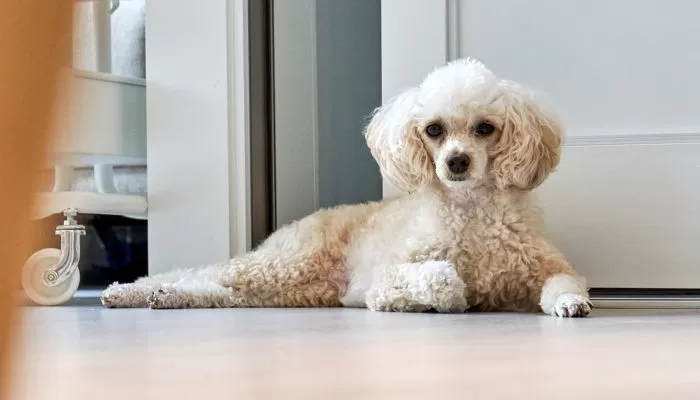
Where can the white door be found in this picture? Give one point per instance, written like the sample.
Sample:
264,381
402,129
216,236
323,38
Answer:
624,204
197,141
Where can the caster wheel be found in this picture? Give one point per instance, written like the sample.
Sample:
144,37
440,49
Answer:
33,279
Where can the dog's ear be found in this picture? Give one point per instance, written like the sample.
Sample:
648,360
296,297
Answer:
530,143
395,143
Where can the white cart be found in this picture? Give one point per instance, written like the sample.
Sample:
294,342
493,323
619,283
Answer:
100,122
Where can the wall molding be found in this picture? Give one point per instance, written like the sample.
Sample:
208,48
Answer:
295,110
632,139
240,211
314,105
452,25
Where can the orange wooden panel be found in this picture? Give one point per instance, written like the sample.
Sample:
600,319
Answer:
35,41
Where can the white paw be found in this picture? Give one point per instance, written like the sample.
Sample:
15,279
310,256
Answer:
442,288
570,305
432,285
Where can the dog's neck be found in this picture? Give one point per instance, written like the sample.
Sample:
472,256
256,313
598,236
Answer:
481,196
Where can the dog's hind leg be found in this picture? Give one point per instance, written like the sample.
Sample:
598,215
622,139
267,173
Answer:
300,265
259,280
272,276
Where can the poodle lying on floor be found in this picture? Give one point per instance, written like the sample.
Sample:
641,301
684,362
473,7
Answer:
469,148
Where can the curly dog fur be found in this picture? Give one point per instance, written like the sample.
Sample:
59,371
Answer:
468,148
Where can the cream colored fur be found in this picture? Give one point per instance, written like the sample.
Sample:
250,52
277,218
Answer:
457,240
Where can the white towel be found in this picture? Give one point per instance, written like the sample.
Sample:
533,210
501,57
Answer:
128,51
127,180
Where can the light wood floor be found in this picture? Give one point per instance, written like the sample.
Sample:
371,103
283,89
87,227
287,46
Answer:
86,352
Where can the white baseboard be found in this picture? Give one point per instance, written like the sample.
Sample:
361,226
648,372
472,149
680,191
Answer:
647,302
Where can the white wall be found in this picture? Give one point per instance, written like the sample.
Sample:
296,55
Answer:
623,75
612,67
623,204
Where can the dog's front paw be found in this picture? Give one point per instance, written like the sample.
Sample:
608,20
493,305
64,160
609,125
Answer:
397,305
442,288
419,287
570,305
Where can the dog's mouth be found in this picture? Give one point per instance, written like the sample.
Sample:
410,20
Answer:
457,177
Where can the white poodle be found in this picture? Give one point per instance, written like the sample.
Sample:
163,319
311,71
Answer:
469,148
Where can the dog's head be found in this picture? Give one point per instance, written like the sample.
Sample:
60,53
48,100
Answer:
466,128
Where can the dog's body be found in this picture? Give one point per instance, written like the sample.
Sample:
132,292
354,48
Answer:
469,147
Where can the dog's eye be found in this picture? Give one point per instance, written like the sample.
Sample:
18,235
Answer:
434,130
484,129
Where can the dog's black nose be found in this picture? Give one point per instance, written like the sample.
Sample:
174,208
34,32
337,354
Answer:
458,164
